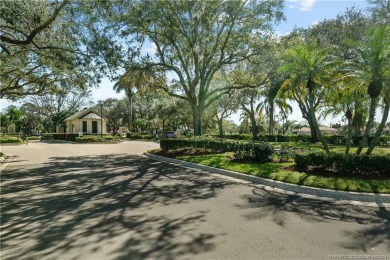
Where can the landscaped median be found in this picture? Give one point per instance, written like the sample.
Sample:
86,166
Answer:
326,177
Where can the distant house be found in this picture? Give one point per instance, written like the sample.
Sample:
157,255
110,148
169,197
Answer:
386,131
324,129
87,121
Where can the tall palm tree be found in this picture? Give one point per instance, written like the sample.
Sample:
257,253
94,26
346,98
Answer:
135,81
309,68
374,65
271,101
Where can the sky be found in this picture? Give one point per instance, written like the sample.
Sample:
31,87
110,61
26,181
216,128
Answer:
299,13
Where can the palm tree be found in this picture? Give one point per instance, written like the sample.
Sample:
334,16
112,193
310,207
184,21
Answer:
309,68
135,81
346,97
271,101
374,65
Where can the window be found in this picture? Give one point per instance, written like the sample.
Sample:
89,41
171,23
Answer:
85,129
94,127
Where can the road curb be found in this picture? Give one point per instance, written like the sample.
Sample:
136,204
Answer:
381,200
5,162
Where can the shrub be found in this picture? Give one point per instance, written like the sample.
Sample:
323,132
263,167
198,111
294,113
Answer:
204,144
95,138
11,140
346,164
254,152
135,136
31,138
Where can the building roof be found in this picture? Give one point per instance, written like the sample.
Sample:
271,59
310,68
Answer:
86,113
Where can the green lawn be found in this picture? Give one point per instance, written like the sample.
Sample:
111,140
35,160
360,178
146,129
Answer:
276,171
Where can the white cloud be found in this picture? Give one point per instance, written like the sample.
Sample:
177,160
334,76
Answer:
291,6
306,5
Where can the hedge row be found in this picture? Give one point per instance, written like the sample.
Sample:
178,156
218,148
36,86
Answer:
31,138
65,137
346,164
95,138
257,152
139,136
11,140
330,139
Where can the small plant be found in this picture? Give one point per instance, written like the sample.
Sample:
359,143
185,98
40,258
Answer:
284,153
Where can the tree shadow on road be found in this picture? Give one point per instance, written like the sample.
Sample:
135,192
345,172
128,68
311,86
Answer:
112,205
376,221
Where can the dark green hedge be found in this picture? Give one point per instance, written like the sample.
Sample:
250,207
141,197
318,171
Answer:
205,144
254,152
330,139
139,136
257,152
346,164
96,138
65,137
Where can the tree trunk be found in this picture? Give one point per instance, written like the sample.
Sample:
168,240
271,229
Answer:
313,130
271,117
380,129
130,124
220,127
315,123
319,134
253,127
371,117
349,136
197,123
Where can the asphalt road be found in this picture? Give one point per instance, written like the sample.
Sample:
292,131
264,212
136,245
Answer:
102,201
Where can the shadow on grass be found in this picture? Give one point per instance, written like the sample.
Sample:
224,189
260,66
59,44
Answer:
376,220
114,205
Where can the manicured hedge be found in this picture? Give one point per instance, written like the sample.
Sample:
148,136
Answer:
31,138
204,144
135,136
11,140
330,139
256,152
65,137
346,164
95,138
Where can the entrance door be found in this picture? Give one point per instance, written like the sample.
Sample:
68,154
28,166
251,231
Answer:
94,127
85,129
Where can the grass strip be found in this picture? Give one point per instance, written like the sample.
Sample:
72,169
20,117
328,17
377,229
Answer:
277,171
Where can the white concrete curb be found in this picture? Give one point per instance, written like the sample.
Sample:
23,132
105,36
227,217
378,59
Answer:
4,163
370,199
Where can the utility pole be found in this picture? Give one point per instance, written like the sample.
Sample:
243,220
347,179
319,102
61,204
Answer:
101,120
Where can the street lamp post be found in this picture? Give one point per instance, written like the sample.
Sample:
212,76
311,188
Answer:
101,120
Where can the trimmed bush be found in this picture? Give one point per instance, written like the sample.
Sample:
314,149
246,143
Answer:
11,140
135,136
95,138
254,152
203,144
346,164
32,138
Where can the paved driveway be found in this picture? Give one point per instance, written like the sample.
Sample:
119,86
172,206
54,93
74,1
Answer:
77,201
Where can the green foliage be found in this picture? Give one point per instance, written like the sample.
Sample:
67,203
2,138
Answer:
9,139
346,164
253,152
31,138
203,144
96,138
135,136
